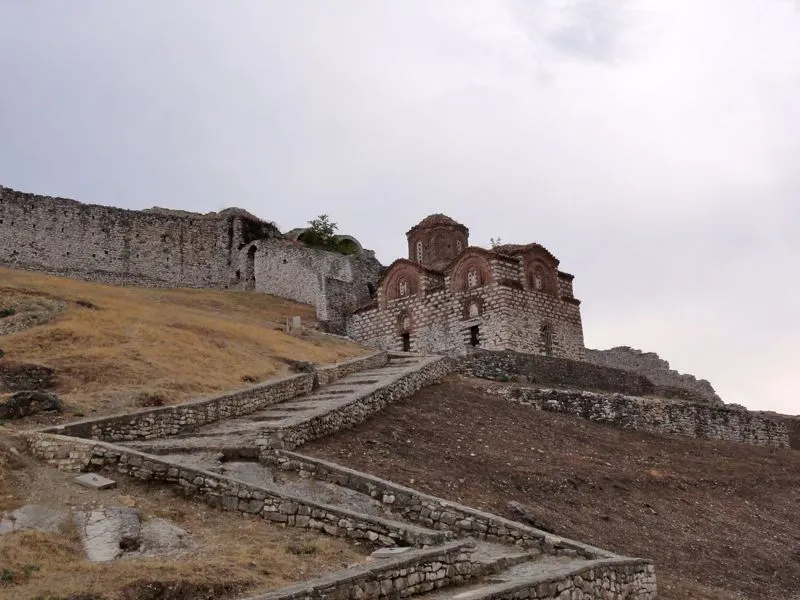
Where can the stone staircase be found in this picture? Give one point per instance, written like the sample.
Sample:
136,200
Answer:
346,402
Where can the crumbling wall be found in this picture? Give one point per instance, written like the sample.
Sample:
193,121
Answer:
657,370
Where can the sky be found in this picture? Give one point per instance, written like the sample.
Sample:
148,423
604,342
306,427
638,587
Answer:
652,145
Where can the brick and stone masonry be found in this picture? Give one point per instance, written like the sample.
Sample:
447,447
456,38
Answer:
447,296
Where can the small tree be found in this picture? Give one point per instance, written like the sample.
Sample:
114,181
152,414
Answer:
322,234
495,242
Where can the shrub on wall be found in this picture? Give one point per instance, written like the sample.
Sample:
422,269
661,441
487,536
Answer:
322,234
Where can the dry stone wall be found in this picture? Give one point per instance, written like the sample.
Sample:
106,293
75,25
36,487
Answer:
74,454
358,410
416,572
670,382
655,415
435,513
616,579
172,420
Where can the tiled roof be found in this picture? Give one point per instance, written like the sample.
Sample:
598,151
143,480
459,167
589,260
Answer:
436,220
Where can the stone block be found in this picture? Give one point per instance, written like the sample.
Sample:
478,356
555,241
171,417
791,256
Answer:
95,482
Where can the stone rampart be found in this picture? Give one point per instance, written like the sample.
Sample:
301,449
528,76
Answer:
648,364
123,247
659,416
359,409
334,283
171,420
416,572
432,512
219,491
508,365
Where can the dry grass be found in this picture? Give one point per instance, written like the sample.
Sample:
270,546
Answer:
227,552
109,344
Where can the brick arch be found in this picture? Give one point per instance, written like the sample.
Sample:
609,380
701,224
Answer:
402,278
405,323
540,277
470,305
470,272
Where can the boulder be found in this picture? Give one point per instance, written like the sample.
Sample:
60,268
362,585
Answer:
24,404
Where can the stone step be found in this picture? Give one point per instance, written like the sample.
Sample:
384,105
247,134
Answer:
523,574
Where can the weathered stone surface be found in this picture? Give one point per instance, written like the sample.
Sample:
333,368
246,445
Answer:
106,534
16,377
33,516
24,404
160,535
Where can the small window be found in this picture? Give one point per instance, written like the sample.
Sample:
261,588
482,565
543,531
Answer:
402,288
459,247
474,310
472,278
419,251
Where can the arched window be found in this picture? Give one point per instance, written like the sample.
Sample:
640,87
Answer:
538,279
459,247
474,310
419,251
402,288
405,323
473,278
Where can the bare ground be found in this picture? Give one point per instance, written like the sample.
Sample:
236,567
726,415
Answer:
720,520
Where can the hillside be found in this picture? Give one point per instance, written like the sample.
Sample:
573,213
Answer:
718,519
118,348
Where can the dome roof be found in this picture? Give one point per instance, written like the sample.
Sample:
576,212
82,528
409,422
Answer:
437,220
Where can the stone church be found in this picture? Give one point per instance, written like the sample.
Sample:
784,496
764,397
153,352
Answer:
448,295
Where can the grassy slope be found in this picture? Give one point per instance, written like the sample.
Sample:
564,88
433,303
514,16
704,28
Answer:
177,343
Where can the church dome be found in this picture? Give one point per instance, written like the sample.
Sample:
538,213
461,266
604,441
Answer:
437,220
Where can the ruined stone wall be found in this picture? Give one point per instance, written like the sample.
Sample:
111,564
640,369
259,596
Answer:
655,415
672,383
219,491
113,245
547,370
333,282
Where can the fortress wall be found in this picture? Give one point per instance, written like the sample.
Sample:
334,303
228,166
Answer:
698,420
657,370
332,282
112,245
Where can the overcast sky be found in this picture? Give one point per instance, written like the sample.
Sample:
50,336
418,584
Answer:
652,145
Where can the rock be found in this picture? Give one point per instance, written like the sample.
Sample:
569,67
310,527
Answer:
108,533
33,516
528,515
159,535
23,404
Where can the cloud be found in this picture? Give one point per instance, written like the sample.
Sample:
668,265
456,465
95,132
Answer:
650,144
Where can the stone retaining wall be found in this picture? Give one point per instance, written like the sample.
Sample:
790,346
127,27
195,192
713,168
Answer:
74,454
618,579
508,365
435,513
359,410
171,420
655,415
416,572
329,374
